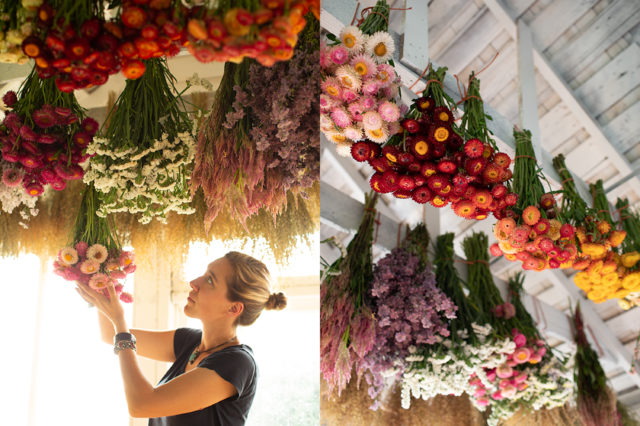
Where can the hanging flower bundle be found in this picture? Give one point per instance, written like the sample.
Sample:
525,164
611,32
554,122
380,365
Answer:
630,259
509,379
16,24
531,233
265,30
244,164
410,310
544,382
95,256
43,137
360,86
347,324
143,162
596,402
446,367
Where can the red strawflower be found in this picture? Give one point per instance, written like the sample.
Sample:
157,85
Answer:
361,151
445,190
44,117
32,46
531,215
82,139
402,193
502,160
377,183
443,115
547,201
77,48
437,181
428,169
495,250
511,199
128,50
380,164
567,231
459,181
455,141
446,165
414,166
487,151
390,179
419,180
91,28
391,153
421,195
438,201
492,173
482,199
133,17
419,146
149,32
90,125
473,148
406,182
405,158
546,245
464,208
438,149
10,98
34,189
133,69
498,191
439,133
425,104
542,226
475,166
46,14
410,125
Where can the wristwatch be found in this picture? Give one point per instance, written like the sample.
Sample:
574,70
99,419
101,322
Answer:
123,341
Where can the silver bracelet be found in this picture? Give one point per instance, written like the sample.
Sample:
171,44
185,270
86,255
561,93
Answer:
124,344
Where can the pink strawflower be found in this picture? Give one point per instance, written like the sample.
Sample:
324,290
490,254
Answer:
541,351
49,176
353,133
479,392
89,267
130,269
520,378
72,118
72,274
371,120
58,184
370,87
34,189
364,65
483,402
44,117
535,358
13,121
97,252
348,96
504,371
497,395
356,108
340,117
331,86
10,98
28,134
509,310
82,139
118,275
522,355
99,281
394,127
509,391
81,247
522,386
126,297
339,55
68,256
325,60
498,311
491,375
62,112
385,75
368,102
520,340
47,139
90,126
504,383
326,103
12,177
389,111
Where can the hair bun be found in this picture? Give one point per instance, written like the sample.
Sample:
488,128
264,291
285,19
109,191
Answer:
276,301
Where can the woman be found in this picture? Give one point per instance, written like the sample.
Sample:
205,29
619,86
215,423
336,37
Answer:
213,377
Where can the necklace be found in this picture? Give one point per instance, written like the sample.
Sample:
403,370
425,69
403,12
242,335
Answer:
197,352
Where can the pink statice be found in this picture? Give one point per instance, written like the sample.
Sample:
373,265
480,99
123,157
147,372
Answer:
339,55
341,117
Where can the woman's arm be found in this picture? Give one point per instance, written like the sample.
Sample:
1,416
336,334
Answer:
197,389
157,345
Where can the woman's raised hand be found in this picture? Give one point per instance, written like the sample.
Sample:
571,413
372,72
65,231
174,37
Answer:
109,305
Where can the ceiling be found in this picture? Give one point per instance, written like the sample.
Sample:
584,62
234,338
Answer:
586,80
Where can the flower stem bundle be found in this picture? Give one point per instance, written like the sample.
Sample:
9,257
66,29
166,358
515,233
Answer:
596,402
347,325
95,256
630,223
143,161
573,207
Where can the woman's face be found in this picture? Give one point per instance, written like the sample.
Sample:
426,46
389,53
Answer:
208,297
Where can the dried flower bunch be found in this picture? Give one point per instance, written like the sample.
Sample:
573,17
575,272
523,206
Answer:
43,137
95,256
143,161
17,22
359,84
246,158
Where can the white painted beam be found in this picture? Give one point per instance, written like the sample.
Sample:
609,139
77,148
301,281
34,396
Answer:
415,46
527,87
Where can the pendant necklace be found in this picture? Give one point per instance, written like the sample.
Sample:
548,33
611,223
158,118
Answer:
196,353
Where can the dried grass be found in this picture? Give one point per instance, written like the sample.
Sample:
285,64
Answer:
560,416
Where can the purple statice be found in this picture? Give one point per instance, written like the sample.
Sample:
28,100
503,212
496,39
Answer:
410,311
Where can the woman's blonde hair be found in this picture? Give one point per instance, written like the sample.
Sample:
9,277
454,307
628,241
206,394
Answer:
250,284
